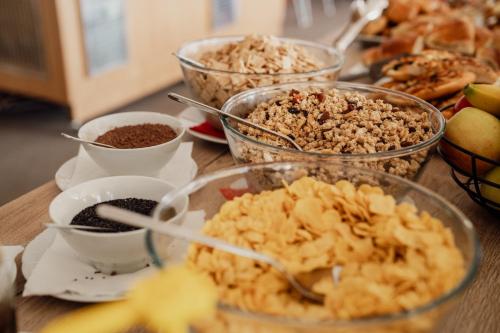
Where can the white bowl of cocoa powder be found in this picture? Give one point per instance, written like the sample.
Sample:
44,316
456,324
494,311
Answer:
144,142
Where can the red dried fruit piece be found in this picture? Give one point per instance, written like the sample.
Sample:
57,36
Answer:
231,193
351,106
296,97
320,96
323,118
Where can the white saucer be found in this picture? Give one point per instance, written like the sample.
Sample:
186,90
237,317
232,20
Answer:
34,252
206,137
191,117
35,249
65,172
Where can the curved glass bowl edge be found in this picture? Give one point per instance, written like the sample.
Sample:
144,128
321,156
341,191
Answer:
385,319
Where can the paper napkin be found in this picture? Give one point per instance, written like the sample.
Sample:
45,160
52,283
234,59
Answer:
61,271
9,254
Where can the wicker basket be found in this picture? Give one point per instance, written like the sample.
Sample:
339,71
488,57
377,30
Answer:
471,181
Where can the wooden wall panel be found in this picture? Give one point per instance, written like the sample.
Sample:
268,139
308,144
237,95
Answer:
50,85
154,29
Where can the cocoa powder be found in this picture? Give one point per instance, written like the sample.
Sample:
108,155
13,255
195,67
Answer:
137,136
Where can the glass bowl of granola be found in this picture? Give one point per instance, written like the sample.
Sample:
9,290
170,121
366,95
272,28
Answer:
357,124
396,255
217,68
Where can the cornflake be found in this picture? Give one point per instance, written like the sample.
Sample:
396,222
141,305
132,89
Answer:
391,257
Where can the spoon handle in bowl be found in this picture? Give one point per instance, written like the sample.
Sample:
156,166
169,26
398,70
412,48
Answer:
142,221
212,110
74,138
176,231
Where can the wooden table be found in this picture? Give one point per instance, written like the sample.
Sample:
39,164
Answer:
478,311
22,219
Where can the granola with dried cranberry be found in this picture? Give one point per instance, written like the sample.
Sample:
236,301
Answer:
329,121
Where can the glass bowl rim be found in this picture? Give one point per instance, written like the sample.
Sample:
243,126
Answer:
471,270
432,110
330,49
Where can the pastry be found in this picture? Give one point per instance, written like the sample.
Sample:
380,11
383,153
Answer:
437,63
446,101
456,34
483,37
433,87
402,10
420,26
375,27
390,48
489,56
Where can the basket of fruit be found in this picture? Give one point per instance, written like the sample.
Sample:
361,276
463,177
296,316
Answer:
471,143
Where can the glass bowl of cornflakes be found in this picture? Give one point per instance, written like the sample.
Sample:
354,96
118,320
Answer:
217,68
356,124
394,256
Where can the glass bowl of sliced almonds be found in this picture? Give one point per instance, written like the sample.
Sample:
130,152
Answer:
387,254
217,68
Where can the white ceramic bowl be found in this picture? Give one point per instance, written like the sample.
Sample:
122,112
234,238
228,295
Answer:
119,252
138,161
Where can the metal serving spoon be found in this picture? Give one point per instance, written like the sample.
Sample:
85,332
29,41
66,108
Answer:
75,227
74,138
366,11
141,221
209,109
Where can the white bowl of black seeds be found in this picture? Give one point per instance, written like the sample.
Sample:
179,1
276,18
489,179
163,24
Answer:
88,216
118,248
